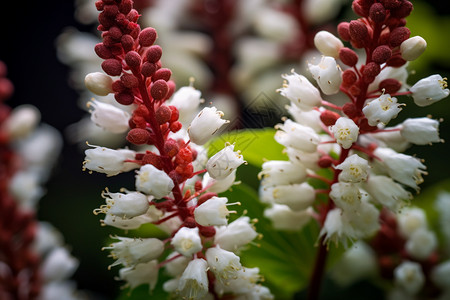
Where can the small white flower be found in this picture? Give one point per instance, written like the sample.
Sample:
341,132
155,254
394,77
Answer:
412,48
186,100
187,241
309,160
207,122
409,276
109,117
26,190
108,161
318,12
279,172
327,74
354,169
421,243
130,252
300,137
224,162
328,44
410,220
213,212
345,132
235,235
22,121
144,273
440,275
153,181
307,118
218,186
420,131
387,192
346,196
295,196
58,265
176,266
403,168
429,90
61,289
275,24
382,110
127,205
98,83
300,91
224,264
283,218
47,237
401,74
152,215
193,284
389,138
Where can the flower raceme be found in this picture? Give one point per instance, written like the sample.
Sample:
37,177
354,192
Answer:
168,161
352,140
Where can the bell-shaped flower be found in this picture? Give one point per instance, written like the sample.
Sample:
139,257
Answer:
279,172
187,241
283,218
440,275
22,121
130,252
388,138
429,90
409,276
212,212
207,122
382,110
300,137
421,243
296,196
346,196
58,265
186,100
387,192
122,205
354,169
224,162
328,44
327,74
411,220
412,48
193,284
98,83
143,273
345,132
108,161
309,160
405,169
153,181
235,235
307,118
218,186
109,117
224,264
420,131
176,266
300,91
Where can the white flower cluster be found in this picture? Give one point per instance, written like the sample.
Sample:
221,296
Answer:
354,143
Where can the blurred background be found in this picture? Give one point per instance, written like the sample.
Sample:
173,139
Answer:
29,30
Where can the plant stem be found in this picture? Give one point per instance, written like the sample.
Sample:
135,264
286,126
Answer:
319,269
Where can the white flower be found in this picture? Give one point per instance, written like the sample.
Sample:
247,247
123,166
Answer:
186,99
218,186
207,122
346,196
420,131
130,252
307,118
382,110
345,132
235,235
318,12
421,243
224,162
99,83
295,196
57,290
300,91
26,190
193,284
401,74
440,275
127,205
429,90
58,265
22,121
328,44
403,168
109,117
187,241
224,264
283,218
410,220
152,181
279,172
309,160
108,161
144,273
412,48
334,228
275,24
213,212
152,215
47,237
409,276
354,169
387,192
389,138
176,266
327,74
300,137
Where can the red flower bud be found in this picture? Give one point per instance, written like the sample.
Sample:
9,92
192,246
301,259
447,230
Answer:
138,136
350,110
127,42
329,117
102,51
163,114
163,74
207,232
154,53
348,77
153,159
159,89
343,31
175,126
396,61
377,13
124,98
390,85
372,69
133,59
398,35
171,147
358,31
148,69
325,161
112,67
381,54
402,11
129,80
147,37
348,56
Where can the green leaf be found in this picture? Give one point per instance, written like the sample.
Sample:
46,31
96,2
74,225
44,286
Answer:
256,145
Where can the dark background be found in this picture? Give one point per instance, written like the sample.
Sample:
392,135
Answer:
28,32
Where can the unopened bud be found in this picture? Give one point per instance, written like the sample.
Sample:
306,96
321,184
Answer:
390,85
138,136
349,77
398,36
148,69
154,54
163,114
127,42
133,59
343,30
395,61
102,51
152,159
377,13
325,161
329,117
412,48
381,54
358,31
348,56
402,11
159,89
163,74
327,43
370,71
98,83
112,67
147,37
171,147
350,110
124,98
129,81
